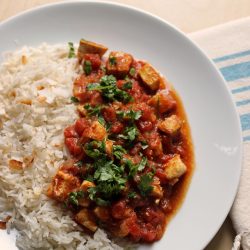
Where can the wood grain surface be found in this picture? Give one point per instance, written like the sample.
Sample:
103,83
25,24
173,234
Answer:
187,15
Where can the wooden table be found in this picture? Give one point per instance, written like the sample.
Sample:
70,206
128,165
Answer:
187,15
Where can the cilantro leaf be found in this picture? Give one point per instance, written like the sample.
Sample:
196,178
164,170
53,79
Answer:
79,163
130,133
142,164
118,151
132,71
71,53
93,110
127,85
74,99
134,168
144,145
87,67
109,179
95,149
145,184
129,115
109,90
131,195
112,60
74,196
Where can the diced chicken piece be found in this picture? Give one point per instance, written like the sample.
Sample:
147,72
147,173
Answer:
102,213
171,125
15,165
109,147
87,47
81,110
150,76
84,202
96,131
62,185
157,189
155,143
2,225
163,101
119,63
86,184
86,219
175,168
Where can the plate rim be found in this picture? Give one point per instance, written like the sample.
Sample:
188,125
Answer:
195,46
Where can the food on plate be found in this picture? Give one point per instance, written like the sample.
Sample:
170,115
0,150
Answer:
95,151
129,149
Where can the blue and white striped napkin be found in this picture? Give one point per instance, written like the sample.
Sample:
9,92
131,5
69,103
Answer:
229,47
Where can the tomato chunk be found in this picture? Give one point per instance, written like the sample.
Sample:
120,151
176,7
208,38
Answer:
94,59
81,125
70,132
72,146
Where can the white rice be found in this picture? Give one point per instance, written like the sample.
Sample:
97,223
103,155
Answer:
36,130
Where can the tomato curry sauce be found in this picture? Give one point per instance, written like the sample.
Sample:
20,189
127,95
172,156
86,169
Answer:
130,149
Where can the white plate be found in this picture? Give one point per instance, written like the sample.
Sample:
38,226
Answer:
214,123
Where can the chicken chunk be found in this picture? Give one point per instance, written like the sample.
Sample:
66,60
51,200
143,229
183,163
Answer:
157,189
96,131
86,219
175,168
163,101
149,76
62,185
119,63
109,147
171,125
86,184
84,202
87,47
102,213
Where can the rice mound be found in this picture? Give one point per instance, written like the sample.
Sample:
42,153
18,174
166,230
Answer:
35,107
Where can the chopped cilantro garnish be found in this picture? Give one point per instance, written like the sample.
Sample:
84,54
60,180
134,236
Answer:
127,85
118,151
131,195
132,71
103,122
112,60
87,67
92,110
96,111
144,145
71,50
142,164
134,168
74,99
109,181
74,196
109,90
129,134
103,68
145,184
79,164
129,115
95,149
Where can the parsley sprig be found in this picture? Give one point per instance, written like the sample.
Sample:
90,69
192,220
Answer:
71,53
144,185
109,90
74,196
129,115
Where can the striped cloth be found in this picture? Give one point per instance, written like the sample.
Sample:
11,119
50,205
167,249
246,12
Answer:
229,47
